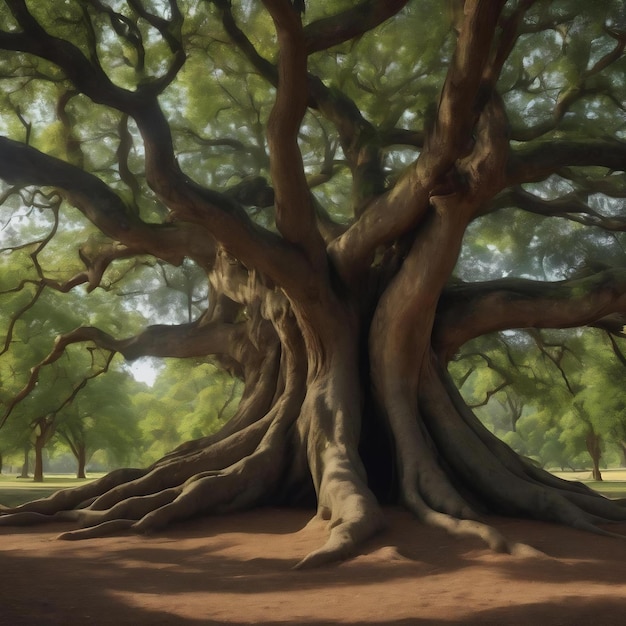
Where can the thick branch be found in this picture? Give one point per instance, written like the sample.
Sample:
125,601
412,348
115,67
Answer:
470,310
26,165
87,76
460,103
353,22
184,340
224,218
295,216
539,160
570,206
359,139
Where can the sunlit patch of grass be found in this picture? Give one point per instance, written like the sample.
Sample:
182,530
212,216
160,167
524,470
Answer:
613,485
14,491
609,488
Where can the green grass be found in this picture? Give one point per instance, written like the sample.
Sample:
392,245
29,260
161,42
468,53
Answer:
14,491
609,488
613,485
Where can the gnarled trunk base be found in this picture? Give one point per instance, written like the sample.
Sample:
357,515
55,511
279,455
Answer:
467,472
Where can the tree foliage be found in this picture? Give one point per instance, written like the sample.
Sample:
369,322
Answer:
329,204
554,396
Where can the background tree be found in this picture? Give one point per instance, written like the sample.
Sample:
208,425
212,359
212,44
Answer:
189,399
552,395
339,177
102,417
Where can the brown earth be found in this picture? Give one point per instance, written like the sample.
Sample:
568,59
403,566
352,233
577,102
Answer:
237,570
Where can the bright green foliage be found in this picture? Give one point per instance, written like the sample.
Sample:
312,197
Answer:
103,418
548,394
189,399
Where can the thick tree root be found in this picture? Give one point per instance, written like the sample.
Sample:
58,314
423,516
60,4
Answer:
506,482
354,517
101,530
76,497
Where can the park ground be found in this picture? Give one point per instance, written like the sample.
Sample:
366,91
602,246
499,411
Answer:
236,570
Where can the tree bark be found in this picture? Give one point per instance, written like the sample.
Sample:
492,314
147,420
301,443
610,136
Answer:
43,430
81,461
593,441
38,470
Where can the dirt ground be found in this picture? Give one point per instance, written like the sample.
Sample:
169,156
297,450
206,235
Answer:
237,570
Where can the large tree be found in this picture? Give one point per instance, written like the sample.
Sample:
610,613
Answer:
322,167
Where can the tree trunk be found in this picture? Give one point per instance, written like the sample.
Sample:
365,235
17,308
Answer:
38,471
81,460
300,436
593,442
43,431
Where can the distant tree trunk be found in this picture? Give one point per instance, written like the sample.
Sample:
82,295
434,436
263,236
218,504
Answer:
594,447
622,447
81,458
43,430
78,446
38,472
1,462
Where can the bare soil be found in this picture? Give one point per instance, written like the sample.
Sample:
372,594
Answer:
237,570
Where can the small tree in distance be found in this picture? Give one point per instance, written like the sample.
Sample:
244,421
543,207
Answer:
366,186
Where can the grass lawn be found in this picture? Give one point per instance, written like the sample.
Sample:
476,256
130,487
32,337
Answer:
609,488
613,485
14,491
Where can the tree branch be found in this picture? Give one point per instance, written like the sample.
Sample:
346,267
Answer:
538,160
295,217
353,22
571,207
359,139
184,340
472,309
220,215
462,99
575,92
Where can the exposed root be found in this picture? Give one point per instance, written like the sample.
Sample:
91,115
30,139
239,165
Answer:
490,472
599,508
456,527
361,519
66,499
587,526
101,530
27,518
